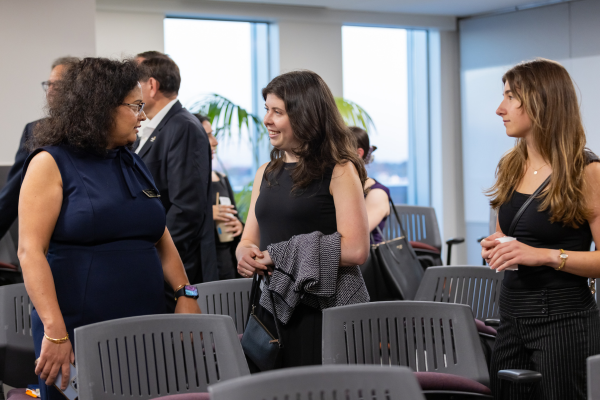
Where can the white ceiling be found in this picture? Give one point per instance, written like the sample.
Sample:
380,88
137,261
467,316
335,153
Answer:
433,7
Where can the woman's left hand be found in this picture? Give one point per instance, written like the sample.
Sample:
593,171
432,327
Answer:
187,305
511,254
234,227
266,260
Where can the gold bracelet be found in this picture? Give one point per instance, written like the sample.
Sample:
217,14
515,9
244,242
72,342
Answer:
563,259
57,341
180,286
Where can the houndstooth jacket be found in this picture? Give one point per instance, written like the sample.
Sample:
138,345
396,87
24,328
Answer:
307,270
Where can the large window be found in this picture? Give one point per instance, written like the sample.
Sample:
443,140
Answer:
385,72
375,77
226,58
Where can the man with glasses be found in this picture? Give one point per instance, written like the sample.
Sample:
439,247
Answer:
176,150
9,196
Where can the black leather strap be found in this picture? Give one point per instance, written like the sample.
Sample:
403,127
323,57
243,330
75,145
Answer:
255,301
517,217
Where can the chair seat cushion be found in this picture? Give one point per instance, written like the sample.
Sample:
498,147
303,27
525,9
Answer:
186,396
440,381
17,394
424,246
8,267
483,328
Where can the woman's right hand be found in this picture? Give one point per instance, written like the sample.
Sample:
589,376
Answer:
223,213
247,265
54,358
489,243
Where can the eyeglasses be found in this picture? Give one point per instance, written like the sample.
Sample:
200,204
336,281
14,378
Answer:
137,108
47,85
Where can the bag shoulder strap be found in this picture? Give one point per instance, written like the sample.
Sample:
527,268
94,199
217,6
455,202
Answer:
519,214
255,301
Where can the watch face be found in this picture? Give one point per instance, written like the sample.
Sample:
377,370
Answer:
564,256
191,291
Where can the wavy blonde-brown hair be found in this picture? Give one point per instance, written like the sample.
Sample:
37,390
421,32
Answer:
547,95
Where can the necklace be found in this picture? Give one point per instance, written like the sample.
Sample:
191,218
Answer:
535,171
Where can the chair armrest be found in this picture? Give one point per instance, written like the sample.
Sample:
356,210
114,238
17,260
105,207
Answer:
455,241
492,322
520,375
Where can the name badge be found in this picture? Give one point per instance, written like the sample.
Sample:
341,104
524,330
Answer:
151,193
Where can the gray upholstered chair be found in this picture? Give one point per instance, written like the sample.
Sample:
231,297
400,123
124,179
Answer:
330,382
156,355
17,354
438,341
230,297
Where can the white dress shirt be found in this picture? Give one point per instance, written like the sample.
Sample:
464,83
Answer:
149,125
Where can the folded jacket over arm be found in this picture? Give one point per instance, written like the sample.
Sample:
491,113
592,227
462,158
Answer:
307,270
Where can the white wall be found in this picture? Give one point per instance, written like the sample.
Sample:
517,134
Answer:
313,46
489,46
33,34
446,141
123,34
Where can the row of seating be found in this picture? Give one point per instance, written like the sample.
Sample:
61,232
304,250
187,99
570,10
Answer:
161,355
474,286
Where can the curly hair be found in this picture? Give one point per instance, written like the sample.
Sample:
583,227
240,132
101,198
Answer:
324,138
81,112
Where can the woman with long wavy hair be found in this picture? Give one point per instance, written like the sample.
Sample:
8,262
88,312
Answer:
314,182
549,321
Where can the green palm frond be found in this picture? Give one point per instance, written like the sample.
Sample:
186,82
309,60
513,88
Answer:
354,115
225,116
242,201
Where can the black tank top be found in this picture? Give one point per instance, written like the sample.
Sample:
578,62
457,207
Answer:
535,230
282,214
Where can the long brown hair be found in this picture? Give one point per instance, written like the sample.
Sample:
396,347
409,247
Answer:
324,138
548,96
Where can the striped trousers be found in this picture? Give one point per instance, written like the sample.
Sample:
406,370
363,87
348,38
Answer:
551,331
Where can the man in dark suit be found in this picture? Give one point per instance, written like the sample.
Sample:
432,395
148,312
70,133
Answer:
176,150
9,196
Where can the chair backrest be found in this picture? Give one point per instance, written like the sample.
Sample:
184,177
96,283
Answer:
8,250
476,286
330,382
419,223
425,336
156,355
593,372
16,342
230,297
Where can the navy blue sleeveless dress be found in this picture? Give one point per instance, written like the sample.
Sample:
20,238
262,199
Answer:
102,254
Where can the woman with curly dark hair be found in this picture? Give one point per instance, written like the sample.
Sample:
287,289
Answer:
314,183
91,223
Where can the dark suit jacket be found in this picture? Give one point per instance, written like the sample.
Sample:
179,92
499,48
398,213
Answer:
9,196
179,157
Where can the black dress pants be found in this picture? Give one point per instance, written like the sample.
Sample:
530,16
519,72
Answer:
552,331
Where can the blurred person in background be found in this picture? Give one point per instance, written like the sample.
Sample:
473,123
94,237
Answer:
93,242
175,148
228,226
377,196
9,196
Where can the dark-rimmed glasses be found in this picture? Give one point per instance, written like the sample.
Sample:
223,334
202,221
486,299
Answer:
47,85
137,108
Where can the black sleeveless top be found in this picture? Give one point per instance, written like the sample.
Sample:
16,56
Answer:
281,214
535,230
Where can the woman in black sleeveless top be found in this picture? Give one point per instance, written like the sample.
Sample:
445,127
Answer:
549,320
313,183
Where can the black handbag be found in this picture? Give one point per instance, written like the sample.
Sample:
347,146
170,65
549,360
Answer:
393,271
259,345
